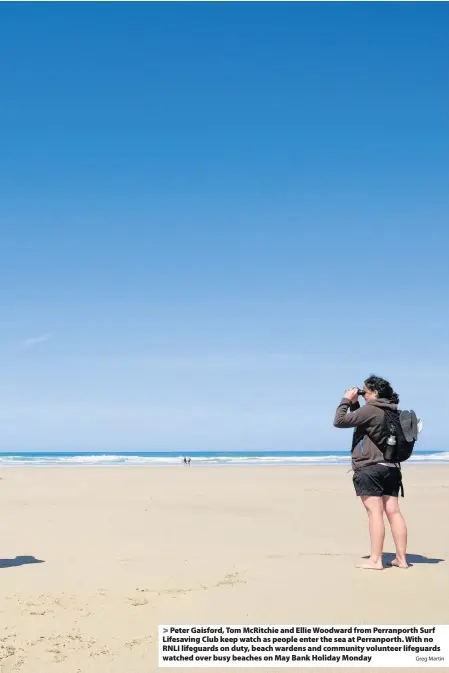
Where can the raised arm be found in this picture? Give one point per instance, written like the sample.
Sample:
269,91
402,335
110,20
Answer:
350,419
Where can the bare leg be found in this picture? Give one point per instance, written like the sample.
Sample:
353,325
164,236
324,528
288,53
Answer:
398,530
375,509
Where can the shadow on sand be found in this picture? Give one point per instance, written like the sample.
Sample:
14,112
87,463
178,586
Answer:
18,561
413,559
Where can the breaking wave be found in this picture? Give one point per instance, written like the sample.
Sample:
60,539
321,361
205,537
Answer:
135,459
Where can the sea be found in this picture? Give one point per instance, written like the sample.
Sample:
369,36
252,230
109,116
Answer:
198,458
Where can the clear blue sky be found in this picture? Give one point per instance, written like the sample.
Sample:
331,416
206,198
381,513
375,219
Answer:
217,216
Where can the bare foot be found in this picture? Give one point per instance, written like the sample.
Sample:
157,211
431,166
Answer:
370,565
399,564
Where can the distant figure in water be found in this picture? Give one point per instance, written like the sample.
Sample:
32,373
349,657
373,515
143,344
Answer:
184,460
188,460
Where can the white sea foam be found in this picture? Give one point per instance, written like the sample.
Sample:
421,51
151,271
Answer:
442,457
135,460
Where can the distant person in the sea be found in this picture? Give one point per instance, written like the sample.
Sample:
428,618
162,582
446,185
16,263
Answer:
188,460
383,438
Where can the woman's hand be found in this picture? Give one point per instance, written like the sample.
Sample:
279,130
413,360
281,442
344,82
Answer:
352,394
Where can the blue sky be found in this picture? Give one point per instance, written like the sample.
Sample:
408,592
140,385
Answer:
217,216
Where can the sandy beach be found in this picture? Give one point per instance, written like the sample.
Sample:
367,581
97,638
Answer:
122,550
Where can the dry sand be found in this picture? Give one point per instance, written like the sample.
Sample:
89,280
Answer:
126,549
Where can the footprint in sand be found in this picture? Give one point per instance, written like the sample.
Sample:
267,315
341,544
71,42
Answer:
39,613
138,641
13,664
137,601
6,651
230,580
100,653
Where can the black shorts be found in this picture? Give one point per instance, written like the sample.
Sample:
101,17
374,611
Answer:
378,480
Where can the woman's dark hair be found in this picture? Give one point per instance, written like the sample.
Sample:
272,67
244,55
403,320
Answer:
382,388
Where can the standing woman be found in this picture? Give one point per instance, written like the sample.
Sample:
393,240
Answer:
376,481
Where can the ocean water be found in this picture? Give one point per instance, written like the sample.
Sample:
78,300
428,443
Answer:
198,458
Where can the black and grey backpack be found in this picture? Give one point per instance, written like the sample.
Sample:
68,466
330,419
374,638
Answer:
401,433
